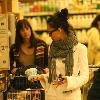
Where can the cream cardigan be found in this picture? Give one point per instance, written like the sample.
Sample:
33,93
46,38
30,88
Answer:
80,77
93,46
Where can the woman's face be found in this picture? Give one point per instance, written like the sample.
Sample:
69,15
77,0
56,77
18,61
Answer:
55,34
25,33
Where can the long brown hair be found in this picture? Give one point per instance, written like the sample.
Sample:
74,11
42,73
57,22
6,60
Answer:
23,23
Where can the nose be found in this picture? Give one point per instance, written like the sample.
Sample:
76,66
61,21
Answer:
25,31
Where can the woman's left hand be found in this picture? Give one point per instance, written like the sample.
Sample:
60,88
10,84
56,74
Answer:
33,78
60,81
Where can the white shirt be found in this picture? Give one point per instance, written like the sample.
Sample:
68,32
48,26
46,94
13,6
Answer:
74,82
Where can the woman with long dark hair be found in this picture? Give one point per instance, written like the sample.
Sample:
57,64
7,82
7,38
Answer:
27,52
68,64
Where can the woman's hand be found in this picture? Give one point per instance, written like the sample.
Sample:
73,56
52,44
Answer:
13,71
46,70
35,77
60,81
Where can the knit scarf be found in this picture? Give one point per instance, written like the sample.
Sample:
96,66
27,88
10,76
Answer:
61,49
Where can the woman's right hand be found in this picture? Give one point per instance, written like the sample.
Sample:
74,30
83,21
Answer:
60,82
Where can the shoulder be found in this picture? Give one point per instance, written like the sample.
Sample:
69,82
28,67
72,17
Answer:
40,42
92,30
80,47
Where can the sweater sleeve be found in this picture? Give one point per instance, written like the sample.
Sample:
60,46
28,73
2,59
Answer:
74,82
41,55
11,57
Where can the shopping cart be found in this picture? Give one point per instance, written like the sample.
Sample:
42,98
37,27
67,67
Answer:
28,94
22,89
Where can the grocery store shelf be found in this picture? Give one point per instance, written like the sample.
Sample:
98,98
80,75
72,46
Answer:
94,66
38,14
92,11
71,12
25,1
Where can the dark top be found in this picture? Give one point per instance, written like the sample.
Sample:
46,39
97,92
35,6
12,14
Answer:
40,61
40,56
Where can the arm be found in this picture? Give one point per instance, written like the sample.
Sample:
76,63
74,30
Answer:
45,55
11,57
45,58
12,65
41,54
74,82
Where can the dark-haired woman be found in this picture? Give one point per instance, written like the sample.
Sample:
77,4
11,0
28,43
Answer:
68,63
94,41
27,52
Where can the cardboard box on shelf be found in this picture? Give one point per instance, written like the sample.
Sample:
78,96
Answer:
3,23
4,43
4,52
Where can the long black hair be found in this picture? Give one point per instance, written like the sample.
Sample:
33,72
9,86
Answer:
60,20
23,23
94,23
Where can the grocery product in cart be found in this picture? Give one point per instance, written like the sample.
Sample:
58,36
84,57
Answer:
23,89
20,82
